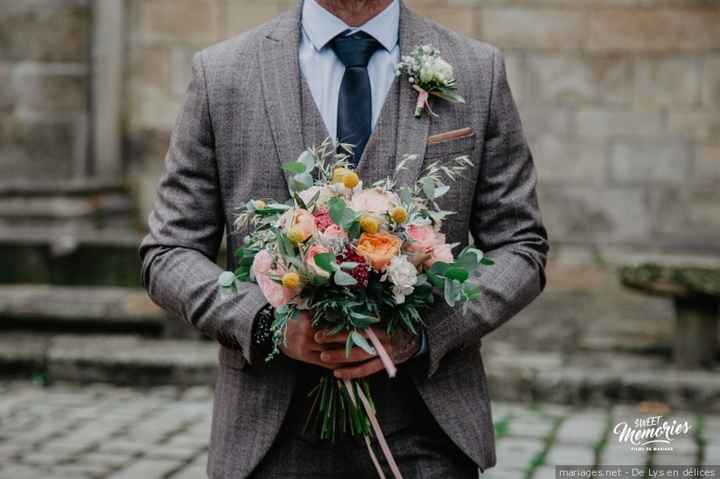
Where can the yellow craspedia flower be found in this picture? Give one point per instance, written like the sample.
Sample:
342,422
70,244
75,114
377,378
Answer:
291,280
399,215
296,235
339,174
350,180
260,204
369,224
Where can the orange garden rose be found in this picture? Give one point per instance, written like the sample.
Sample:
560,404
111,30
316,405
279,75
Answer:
378,249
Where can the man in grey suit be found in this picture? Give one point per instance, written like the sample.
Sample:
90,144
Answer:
258,100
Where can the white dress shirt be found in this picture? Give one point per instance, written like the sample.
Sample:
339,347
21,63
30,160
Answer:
324,71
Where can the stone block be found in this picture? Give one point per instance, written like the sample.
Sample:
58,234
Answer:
563,160
39,150
45,30
460,19
605,124
180,69
148,469
706,168
540,121
649,161
667,82
248,14
59,88
149,67
583,213
180,20
572,80
7,93
515,72
711,82
654,29
698,125
581,429
533,29
675,211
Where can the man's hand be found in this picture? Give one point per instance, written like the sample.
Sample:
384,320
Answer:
401,347
301,344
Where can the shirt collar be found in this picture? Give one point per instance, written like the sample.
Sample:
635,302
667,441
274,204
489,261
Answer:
321,26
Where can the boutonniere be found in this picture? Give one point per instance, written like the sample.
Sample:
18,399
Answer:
429,75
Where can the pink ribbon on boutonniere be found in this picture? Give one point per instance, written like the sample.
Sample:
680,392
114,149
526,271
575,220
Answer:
423,102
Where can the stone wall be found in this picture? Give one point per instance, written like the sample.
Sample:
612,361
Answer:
44,59
620,100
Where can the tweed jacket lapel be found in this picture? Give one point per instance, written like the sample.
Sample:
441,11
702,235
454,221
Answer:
412,132
281,86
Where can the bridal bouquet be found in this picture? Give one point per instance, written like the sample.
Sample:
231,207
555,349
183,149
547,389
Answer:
355,256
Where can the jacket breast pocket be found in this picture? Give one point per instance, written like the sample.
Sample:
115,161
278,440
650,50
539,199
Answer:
451,149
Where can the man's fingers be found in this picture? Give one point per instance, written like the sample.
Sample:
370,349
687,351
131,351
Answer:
338,356
323,337
357,372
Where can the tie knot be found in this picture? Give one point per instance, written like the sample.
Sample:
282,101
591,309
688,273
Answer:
354,50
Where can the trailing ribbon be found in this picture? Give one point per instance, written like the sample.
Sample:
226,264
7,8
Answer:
423,102
378,433
382,352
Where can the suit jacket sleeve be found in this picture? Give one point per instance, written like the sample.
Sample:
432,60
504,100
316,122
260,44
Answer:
186,228
505,224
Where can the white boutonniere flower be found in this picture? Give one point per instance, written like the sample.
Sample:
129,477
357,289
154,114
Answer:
429,75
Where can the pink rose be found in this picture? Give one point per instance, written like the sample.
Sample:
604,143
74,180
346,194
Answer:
423,238
334,232
374,201
427,246
313,251
442,253
274,293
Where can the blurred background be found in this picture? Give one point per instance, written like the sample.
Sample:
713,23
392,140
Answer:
620,100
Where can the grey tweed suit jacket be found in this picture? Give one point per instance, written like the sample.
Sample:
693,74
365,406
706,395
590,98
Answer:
247,110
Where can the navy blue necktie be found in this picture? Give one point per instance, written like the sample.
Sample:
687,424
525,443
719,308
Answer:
354,117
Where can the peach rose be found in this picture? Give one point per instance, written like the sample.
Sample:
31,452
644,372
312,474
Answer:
299,224
274,293
313,251
374,201
378,249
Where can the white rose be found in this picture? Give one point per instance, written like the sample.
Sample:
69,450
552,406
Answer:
403,275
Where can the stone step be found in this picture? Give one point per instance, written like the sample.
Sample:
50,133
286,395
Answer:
72,256
597,378
83,310
122,360
80,203
531,376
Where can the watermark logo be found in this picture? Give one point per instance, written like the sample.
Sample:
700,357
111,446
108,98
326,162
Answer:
652,433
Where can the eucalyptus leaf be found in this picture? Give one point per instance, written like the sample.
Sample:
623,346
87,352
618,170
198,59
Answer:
487,261
326,261
428,186
307,159
349,265
302,182
457,274
226,279
448,95
337,208
362,343
441,190
343,279
294,167
406,196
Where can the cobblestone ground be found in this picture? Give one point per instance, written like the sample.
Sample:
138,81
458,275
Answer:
108,432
